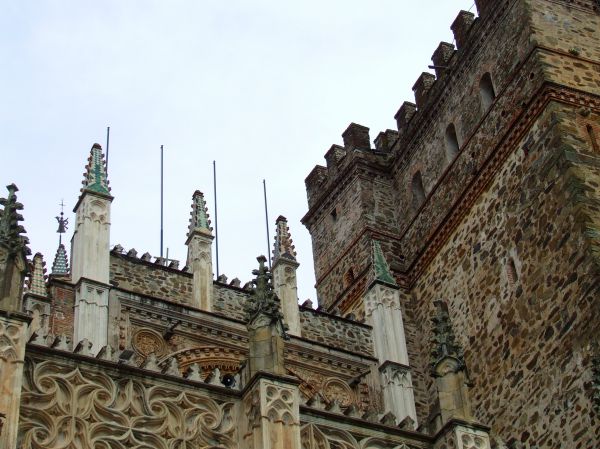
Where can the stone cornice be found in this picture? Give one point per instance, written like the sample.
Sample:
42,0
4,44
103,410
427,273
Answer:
361,426
46,353
215,328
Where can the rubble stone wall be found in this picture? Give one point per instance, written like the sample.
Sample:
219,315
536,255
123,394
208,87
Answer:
146,279
336,332
523,289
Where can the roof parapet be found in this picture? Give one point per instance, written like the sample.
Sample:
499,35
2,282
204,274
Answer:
422,87
335,154
404,115
461,27
484,6
356,137
315,179
385,140
441,57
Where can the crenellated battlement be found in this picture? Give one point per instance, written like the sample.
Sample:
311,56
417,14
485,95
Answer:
446,137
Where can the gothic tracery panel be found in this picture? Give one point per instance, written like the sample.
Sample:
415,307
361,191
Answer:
68,407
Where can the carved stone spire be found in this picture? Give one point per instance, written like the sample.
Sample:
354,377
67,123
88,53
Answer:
199,215
10,229
381,269
199,257
95,178
13,252
284,275
90,254
60,266
444,340
283,246
37,278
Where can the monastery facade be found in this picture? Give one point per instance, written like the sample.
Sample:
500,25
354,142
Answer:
458,280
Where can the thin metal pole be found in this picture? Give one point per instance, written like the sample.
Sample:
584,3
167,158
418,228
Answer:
216,214
267,222
107,142
161,200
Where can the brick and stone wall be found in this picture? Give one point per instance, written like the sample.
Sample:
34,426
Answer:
336,332
507,229
522,290
150,279
61,315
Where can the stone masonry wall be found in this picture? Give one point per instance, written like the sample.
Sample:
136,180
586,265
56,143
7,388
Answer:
149,279
522,289
229,301
61,315
336,332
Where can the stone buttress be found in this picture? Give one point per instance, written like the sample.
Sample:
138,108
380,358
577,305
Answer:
383,312
13,323
90,253
199,258
284,275
271,399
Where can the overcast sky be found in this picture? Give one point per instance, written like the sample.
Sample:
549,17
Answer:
263,87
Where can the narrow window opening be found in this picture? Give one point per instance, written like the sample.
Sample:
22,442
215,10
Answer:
418,192
593,139
511,273
486,91
334,215
349,277
451,143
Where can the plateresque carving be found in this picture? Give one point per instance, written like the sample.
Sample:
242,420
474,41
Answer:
321,437
66,407
147,341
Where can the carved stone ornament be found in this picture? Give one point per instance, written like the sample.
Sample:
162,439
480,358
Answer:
320,437
280,406
209,358
67,407
147,341
472,439
338,390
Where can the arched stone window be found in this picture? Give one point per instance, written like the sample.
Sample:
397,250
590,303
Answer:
486,91
451,142
418,191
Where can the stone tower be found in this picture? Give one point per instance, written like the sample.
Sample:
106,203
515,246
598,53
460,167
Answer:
488,184
90,253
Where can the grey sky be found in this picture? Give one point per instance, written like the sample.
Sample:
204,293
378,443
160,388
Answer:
263,87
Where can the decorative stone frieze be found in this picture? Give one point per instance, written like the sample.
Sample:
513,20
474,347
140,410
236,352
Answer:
271,407
61,405
398,395
13,337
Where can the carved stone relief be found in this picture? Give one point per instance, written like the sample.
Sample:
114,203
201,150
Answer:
333,389
340,391
146,341
67,407
321,437
472,439
12,349
210,358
